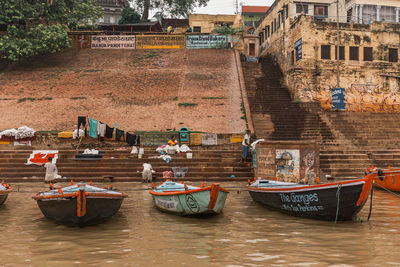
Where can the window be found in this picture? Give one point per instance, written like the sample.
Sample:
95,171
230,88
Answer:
325,52
196,29
393,55
354,53
274,25
107,19
341,52
301,8
388,14
368,13
292,57
320,11
368,54
279,20
248,23
349,15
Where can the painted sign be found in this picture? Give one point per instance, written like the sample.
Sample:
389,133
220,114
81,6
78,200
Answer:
160,41
288,165
338,99
209,139
265,161
206,41
113,42
308,169
298,47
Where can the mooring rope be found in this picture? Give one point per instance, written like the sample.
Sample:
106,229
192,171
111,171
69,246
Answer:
370,202
391,192
337,203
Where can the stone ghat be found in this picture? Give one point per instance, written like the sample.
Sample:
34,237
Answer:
121,166
145,90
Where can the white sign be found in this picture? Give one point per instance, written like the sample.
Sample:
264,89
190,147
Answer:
113,42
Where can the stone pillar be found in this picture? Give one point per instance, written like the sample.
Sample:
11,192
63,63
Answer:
378,14
356,15
360,15
397,14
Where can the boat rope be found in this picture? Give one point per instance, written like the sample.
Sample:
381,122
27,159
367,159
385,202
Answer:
391,192
337,202
370,202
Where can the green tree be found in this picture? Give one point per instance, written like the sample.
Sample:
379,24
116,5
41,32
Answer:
129,16
224,29
176,8
38,27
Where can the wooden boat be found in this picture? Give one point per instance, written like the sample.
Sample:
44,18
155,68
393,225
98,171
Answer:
332,201
79,205
186,200
386,178
5,189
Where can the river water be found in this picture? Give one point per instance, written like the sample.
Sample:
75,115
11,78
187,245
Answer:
246,234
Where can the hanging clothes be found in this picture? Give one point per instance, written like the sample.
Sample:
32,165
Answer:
118,134
109,132
138,140
130,139
81,121
101,129
93,128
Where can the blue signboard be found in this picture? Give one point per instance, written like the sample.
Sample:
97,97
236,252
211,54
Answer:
338,98
206,41
298,46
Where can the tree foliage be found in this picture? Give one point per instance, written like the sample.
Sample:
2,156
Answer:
37,27
129,16
174,8
224,29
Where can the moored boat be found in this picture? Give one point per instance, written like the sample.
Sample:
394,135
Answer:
5,189
186,200
80,204
387,178
332,201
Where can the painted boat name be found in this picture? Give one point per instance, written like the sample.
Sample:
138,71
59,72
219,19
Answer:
297,198
169,204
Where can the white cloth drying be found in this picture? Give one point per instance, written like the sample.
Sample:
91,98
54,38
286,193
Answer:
88,151
19,133
75,133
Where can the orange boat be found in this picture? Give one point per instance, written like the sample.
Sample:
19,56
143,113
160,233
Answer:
4,190
387,178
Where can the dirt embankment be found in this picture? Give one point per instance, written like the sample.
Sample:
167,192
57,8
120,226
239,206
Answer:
142,90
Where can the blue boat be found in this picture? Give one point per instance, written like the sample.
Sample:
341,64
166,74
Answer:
186,200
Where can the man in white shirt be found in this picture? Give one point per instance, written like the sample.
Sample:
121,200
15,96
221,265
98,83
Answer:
147,172
51,171
245,146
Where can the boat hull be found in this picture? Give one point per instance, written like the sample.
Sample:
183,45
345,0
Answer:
319,202
191,203
3,198
64,210
388,179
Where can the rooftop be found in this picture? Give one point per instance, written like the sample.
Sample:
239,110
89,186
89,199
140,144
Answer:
254,9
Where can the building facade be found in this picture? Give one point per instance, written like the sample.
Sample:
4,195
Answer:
252,14
306,50
367,11
112,11
204,23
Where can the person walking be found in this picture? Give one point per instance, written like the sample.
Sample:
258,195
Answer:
51,171
147,172
245,146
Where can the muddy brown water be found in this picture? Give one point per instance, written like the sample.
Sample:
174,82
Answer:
246,234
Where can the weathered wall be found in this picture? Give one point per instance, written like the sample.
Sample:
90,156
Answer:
370,85
209,22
